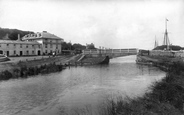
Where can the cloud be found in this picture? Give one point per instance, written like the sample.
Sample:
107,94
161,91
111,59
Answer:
112,24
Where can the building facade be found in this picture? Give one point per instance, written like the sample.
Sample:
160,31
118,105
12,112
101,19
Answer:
50,43
42,43
19,48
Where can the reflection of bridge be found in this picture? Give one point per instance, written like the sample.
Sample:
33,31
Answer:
99,56
111,53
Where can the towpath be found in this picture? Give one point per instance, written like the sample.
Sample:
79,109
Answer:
17,62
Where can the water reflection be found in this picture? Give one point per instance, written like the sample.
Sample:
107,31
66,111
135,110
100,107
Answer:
76,87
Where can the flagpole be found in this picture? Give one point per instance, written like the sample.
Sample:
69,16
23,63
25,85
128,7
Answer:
166,24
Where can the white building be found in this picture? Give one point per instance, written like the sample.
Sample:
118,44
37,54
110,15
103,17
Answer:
50,42
19,48
32,44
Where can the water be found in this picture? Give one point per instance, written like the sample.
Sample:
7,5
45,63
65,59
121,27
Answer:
76,88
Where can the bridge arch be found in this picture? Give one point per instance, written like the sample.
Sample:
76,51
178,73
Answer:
1,51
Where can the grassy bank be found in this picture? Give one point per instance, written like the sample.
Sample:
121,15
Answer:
166,98
25,71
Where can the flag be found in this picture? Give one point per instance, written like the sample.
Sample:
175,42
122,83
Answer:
167,19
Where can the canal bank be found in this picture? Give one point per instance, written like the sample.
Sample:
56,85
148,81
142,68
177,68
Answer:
76,88
25,67
166,97
163,62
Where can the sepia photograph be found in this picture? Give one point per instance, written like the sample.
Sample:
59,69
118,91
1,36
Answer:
91,57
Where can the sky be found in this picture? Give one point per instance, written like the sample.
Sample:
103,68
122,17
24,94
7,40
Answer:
106,23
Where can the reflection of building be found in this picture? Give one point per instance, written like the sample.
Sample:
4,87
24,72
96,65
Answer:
50,42
19,48
32,44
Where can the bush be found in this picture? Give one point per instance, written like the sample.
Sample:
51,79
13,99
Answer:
167,97
5,75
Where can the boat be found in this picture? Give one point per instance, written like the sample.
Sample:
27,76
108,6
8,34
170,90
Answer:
3,58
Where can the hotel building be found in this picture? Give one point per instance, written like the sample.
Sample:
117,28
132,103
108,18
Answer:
19,48
50,42
42,43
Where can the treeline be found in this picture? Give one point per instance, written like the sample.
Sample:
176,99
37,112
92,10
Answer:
70,46
12,34
24,72
76,48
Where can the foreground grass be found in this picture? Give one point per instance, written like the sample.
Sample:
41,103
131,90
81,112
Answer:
166,98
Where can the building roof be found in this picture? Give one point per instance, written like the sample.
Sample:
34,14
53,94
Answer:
41,35
17,42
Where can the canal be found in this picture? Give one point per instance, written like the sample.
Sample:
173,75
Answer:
76,89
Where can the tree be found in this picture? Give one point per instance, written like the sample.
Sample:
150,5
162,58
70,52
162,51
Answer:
90,46
79,46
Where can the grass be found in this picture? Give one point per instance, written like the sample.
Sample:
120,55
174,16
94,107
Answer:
24,72
166,98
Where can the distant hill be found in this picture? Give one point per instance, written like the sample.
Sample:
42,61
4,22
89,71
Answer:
173,47
12,34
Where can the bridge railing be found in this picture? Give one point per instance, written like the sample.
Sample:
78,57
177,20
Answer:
110,51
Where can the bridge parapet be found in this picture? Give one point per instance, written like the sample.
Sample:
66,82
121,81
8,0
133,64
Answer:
110,52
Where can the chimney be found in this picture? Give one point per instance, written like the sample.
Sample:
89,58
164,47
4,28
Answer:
18,38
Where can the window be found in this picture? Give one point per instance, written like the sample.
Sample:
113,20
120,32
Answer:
0,45
14,52
56,46
26,46
32,52
14,45
50,45
33,46
20,45
45,45
7,45
46,51
27,52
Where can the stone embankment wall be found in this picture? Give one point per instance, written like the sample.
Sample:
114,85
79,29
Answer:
178,54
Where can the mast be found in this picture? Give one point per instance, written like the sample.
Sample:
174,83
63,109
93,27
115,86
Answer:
156,44
166,38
